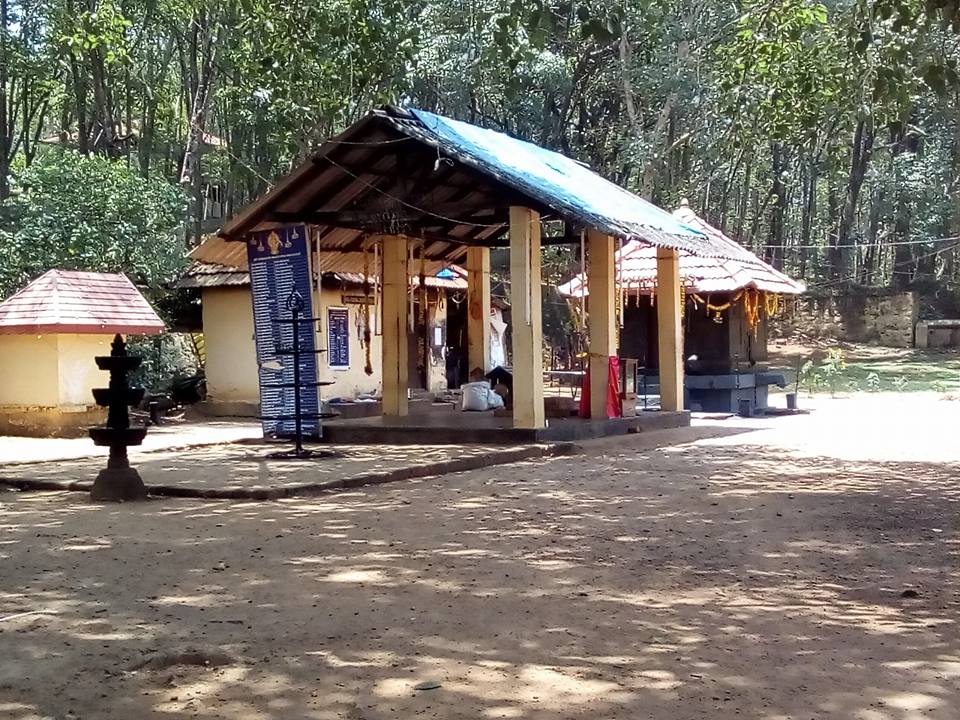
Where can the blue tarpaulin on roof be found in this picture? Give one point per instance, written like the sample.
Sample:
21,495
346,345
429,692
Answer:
567,186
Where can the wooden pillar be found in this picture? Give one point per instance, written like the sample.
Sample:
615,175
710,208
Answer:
601,305
670,329
394,343
526,327
478,309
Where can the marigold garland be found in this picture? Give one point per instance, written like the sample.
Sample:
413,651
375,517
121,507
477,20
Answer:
751,308
772,304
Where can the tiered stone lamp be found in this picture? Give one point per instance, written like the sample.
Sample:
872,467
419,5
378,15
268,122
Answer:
118,482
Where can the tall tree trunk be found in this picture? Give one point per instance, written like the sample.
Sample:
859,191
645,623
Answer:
808,212
743,199
861,152
80,103
871,263
659,142
950,257
778,194
105,128
5,129
903,262
156,78
205,79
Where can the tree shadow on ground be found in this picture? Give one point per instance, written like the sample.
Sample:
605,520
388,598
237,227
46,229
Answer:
680,583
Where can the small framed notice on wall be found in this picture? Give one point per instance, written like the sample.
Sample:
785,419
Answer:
338,337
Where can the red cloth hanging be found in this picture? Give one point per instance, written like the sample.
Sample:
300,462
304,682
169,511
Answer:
584,409
613,389
614,408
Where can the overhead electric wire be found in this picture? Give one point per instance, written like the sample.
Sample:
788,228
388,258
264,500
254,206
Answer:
893,270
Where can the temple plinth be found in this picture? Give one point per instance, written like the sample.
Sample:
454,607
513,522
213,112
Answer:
118,482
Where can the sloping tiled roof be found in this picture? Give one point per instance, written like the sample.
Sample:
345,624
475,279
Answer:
219,263
453,184
65,301
209,275
637,265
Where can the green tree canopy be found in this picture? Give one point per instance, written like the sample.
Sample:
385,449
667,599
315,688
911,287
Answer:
78,212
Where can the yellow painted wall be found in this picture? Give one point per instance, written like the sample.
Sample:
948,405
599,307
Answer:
351,381
78,372
46,384
29,371
231,366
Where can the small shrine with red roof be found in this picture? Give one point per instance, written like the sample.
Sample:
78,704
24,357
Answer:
50,332
727,306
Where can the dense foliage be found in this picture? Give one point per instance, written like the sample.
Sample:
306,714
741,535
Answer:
90,213
825,135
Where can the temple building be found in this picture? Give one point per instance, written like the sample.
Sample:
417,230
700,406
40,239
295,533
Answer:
411,187
219,270
50,333
726,311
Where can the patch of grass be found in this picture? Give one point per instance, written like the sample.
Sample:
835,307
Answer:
920,375
935,373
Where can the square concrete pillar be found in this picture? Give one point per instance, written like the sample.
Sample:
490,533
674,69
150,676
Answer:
394,342
601,304
478,309
526,329
670,329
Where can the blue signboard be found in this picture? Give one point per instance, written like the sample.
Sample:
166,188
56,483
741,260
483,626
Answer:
338,337
279,265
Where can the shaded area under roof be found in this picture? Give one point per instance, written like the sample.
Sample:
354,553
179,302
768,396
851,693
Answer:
66,301
637,266
452,184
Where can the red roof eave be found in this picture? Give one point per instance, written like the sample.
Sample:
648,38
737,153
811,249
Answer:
80,329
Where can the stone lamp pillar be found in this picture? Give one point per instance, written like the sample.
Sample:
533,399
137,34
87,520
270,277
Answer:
118,482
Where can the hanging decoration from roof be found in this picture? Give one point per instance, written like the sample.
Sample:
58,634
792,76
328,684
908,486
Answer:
755,303
377,289
751,307
717,309
368,360
772,304
422,352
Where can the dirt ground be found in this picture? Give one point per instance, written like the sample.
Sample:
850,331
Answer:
802,567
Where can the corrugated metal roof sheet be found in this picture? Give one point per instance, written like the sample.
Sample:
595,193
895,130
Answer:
637,265
399,171
570,187
63,301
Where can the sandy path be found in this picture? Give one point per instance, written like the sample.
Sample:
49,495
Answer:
720,579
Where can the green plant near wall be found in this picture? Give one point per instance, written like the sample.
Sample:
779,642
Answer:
833,368
807,377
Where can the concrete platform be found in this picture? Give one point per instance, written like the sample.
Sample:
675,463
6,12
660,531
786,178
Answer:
459,428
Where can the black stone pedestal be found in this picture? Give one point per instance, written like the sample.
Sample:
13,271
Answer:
118,485
118,482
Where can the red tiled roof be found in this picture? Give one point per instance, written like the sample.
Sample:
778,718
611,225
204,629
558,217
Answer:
637,264
64,301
